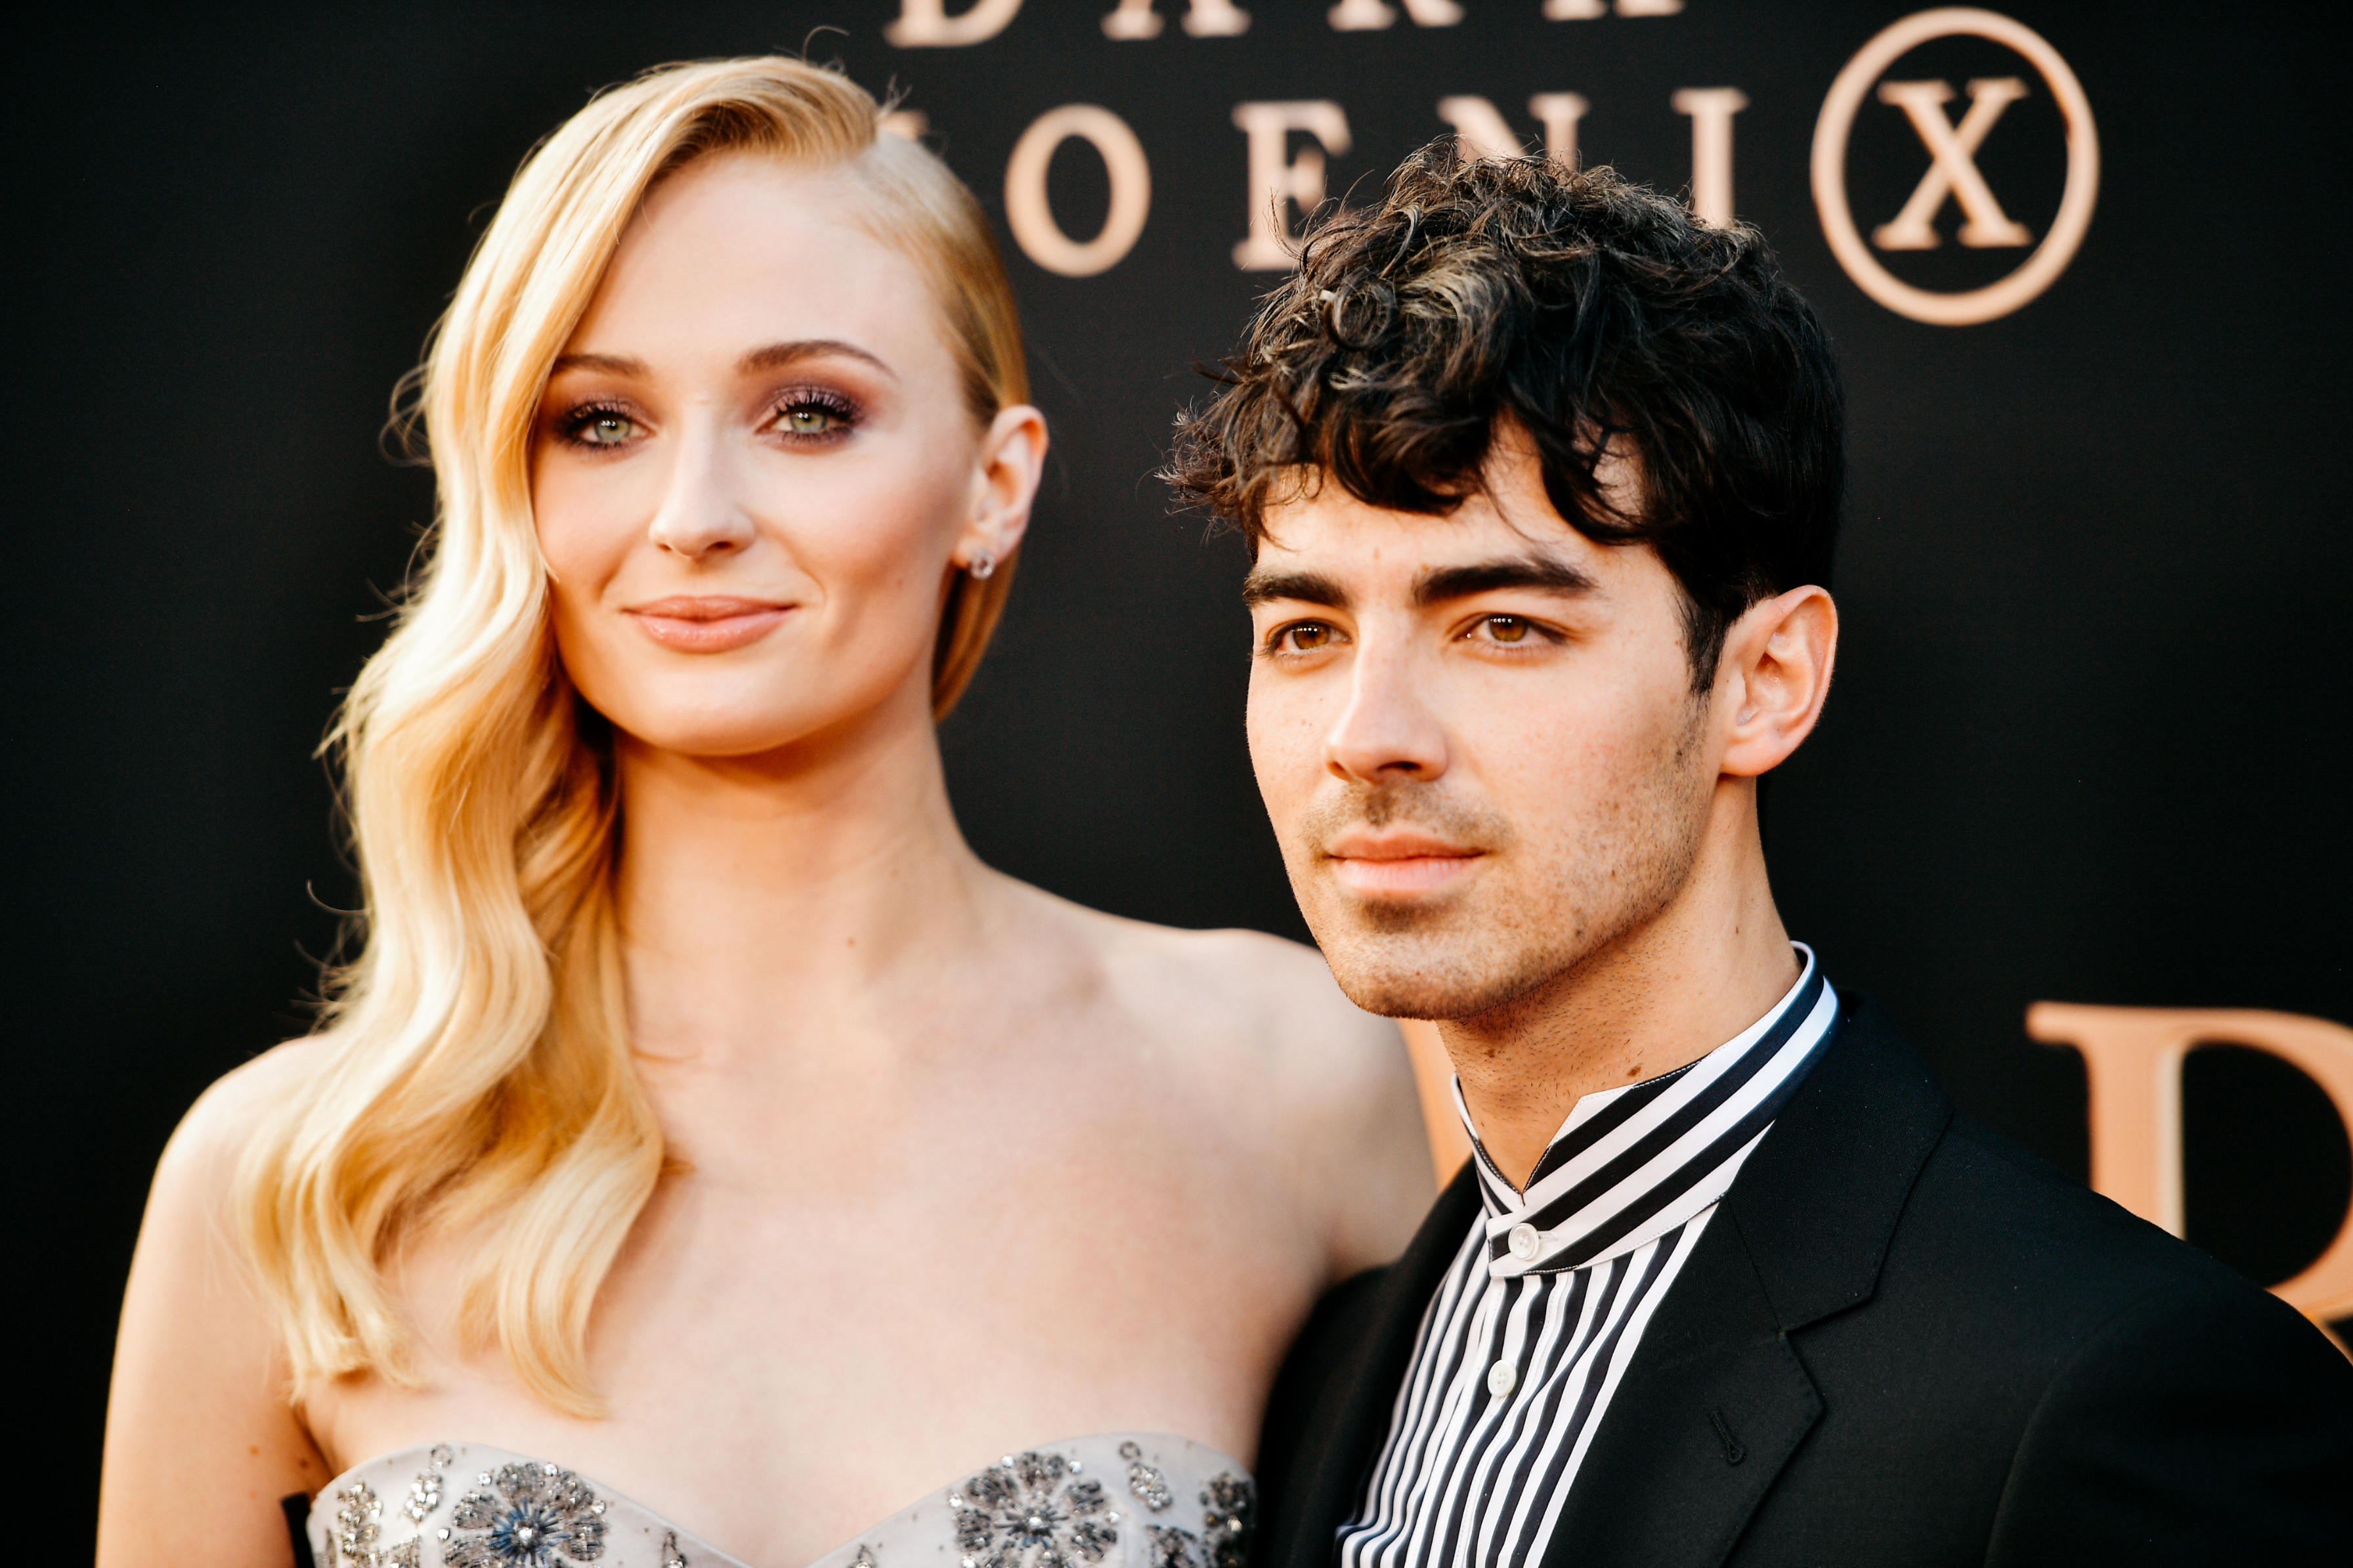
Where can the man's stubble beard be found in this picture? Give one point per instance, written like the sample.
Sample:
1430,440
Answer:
1490,947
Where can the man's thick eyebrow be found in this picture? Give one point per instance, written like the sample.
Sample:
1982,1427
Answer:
1541,573
778,356
1308,587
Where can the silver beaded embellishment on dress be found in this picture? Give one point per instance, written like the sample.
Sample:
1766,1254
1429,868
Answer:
1173,1548
1030,1512
533,1516
1228,1509
672,1557
865,1558
424,1495
359,1532
1227,1506
356,1530
1150,1486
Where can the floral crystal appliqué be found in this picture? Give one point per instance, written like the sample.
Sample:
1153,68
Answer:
526,1516
1034,1510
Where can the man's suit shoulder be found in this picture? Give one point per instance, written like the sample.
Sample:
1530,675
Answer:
1973,1223
2072,1376
1988,1219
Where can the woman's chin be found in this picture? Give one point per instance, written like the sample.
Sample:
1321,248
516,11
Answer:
740,713
733,737
713,742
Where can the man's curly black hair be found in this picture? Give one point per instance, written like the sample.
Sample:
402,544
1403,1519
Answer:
1582,306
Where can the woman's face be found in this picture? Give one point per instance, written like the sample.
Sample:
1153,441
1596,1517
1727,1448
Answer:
754,467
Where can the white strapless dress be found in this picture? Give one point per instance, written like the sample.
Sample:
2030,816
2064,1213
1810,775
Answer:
1114,1500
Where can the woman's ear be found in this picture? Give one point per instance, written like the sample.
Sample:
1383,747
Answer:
1773,677
1010,461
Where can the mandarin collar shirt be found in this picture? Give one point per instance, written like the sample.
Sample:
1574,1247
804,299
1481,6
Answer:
1527,1337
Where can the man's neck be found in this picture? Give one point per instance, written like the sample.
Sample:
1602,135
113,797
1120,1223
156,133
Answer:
1664,994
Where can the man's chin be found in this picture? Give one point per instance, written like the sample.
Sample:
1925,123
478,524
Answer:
1419,968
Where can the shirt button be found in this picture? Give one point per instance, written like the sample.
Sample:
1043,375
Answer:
1502,1378
1526,1243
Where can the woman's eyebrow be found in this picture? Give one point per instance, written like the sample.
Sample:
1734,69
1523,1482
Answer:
778,356
611,365
767,356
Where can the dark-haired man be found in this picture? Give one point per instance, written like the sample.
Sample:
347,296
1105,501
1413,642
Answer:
1541,479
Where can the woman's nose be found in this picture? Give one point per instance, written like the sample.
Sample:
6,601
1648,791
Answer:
701,511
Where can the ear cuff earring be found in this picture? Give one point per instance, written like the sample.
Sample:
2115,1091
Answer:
983,565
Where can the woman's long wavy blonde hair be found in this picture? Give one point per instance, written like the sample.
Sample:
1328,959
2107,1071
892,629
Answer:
472,1071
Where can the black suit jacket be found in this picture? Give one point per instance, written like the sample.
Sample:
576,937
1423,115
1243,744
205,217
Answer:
1900,1340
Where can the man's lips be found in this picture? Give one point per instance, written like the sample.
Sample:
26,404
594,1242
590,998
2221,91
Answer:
1396,864
709,623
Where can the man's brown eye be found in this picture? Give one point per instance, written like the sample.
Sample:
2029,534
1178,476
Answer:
1506,628
1308,639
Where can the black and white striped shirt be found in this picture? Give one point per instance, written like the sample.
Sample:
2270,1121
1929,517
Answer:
1528,1338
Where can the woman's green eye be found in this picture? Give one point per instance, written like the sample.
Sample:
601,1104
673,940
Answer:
810,419
607,429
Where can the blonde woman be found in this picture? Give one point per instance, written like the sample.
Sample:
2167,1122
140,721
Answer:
707,1158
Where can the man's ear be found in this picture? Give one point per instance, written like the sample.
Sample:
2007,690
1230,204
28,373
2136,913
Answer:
1011,460
1772,679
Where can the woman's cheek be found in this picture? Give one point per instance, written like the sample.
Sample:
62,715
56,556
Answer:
887,537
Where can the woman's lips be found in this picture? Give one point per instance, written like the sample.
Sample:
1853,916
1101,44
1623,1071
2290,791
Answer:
1398,866
708,625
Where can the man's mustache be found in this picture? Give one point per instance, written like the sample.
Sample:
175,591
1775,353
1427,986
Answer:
1406,803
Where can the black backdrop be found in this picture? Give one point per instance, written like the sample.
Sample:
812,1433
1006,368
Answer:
2087,743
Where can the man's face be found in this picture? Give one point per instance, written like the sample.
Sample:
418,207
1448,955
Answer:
1476,736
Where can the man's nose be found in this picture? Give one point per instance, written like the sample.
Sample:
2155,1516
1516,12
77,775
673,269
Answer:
1388,730
701,512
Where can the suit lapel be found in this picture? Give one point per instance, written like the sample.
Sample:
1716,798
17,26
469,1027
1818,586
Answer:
1712,1408
1715,1401
1352,1418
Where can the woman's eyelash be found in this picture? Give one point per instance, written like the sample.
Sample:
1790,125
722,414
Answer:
577,426
813,406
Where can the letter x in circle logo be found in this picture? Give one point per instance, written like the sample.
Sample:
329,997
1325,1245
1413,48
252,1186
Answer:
1953,174
1954,171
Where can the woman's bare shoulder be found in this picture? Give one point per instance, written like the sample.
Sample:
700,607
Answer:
221,1123
198,1409
188,1223
1290,1063
1267,1002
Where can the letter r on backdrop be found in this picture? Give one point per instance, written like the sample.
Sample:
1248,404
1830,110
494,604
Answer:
2132,1069
1279,182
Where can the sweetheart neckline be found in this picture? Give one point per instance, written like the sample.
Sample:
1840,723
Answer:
430,1455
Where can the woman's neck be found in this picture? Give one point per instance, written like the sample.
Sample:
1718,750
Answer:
768,893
